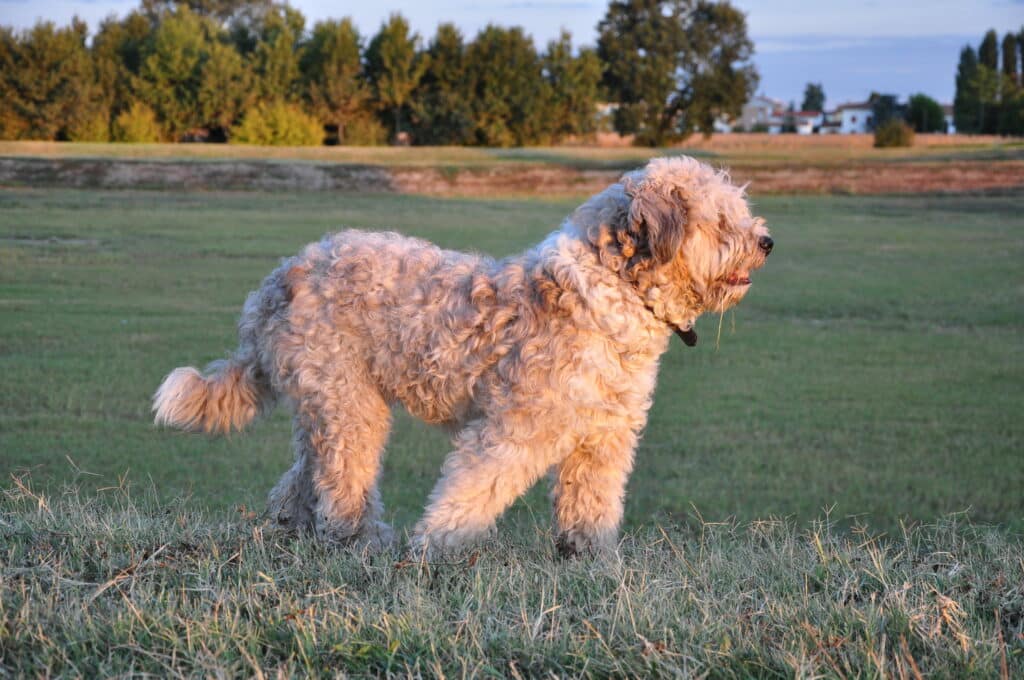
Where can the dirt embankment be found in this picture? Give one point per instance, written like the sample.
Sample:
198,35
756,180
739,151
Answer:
855,177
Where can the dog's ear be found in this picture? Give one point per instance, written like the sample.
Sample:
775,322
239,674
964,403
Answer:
657,218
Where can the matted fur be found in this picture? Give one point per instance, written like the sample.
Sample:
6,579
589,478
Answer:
545,361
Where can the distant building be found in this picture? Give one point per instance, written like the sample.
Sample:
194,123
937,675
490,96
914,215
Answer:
854,118
947,113
807,122
762,113
723,124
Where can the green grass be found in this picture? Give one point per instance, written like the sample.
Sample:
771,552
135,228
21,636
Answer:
120,588
877,366
875,377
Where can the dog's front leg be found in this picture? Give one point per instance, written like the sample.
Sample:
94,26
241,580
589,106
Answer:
589,492
485,473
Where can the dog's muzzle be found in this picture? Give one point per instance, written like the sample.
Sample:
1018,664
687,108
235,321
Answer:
766,244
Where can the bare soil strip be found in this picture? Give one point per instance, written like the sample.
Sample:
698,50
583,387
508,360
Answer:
855,177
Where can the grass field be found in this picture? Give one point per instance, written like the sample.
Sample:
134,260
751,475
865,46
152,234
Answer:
737,149
874,374
877,365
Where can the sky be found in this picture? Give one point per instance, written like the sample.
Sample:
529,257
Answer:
851,47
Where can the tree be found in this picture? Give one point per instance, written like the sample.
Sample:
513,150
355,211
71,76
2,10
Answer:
814,98
1010,58
674,66
575,83
117,56
225,89
966,102
639,42
220,11
332,72
48,85
394,67
1020,51
925,114
442,107
170,73
884,107
510,97
275,57
988,51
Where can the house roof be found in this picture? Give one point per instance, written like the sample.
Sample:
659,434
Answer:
807,114
866,106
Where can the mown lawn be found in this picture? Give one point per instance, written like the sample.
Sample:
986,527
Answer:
876,368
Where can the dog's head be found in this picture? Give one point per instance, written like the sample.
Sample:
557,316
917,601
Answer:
683,234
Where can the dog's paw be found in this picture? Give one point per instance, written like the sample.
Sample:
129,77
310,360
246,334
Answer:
375,537
571,544
439,545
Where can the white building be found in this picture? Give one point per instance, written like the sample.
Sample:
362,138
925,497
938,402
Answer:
947,113
854,118
808,122
762,113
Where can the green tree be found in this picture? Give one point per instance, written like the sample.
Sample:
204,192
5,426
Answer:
717,75
1010,57
225,88
575,82
884,107
966,102
925,114
48,85
814,98
639,42
117,56
332,72
442,107
394,66
673,66
510,97
1020,52
221,11
275,58
987,84
170,74
988,51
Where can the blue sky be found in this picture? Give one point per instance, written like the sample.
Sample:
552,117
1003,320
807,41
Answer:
851,47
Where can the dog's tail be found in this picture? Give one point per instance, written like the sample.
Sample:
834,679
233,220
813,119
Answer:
227,396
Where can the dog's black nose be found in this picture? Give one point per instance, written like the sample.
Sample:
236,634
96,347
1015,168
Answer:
766,243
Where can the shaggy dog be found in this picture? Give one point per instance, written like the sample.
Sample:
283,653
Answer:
545,361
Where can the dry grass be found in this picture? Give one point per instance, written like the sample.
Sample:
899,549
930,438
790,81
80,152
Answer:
113,586
732,148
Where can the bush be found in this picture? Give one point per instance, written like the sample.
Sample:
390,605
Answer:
278,124
363,130
90,127
894,133
137,125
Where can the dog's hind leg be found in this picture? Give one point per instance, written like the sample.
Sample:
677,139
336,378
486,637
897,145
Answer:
345,429
292,501
485,473
589,492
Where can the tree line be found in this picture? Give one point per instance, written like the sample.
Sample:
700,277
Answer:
989,86
251,71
